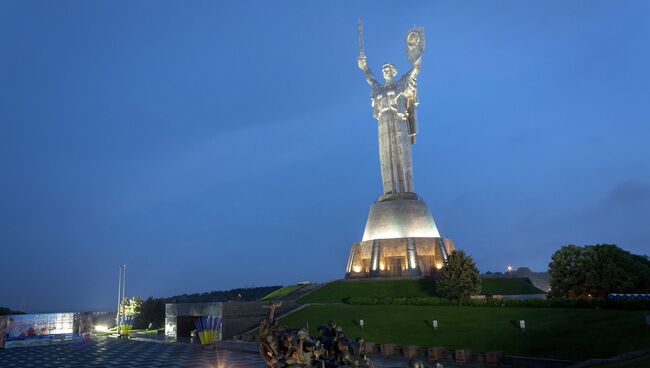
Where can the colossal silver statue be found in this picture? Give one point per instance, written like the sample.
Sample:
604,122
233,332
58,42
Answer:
400,237
393,104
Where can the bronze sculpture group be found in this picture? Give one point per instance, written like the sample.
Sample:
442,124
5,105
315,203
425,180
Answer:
281,346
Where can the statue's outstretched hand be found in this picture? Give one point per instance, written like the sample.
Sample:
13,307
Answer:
361,61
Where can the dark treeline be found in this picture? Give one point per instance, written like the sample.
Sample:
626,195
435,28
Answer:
6,311
240,294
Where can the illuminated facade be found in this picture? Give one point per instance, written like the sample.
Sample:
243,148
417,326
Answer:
400,238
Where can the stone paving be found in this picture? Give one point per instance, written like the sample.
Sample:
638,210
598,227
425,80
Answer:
109,352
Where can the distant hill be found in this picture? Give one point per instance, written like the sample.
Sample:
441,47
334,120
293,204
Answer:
541,280
8,311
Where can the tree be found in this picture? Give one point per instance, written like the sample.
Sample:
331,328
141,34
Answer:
130,306
152,312
569,268
610,271
460,278
640,269
594,271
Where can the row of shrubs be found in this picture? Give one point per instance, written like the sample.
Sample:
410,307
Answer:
490,302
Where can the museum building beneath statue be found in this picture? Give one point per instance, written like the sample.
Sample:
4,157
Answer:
400,239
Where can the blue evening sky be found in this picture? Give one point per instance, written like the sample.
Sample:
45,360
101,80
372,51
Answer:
212,145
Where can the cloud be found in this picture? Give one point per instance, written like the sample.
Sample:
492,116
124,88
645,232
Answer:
628,193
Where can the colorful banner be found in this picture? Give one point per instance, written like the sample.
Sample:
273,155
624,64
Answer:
39,329
24,326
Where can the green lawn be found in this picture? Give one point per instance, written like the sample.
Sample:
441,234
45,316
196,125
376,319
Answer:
550,332
281,292
338,291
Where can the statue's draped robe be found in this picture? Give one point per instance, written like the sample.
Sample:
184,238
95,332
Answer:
390,107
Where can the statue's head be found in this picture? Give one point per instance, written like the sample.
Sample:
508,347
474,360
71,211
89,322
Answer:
389,71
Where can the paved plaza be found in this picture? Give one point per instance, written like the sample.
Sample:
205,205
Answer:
109,352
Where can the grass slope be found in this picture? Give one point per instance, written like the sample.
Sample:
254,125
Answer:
280,292
508,286
550,332
338,291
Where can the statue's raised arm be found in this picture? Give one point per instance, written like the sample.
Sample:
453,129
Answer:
415,46
370,78
414,50
415,70
361,60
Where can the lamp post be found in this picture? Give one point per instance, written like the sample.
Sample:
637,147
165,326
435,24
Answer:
121,294
119,298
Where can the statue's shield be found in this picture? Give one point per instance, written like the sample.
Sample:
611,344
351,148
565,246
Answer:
414,44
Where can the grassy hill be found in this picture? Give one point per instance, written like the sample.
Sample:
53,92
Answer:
338,291
280,292
569,333
508,286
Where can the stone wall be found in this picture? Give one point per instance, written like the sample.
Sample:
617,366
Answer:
237,317
174,310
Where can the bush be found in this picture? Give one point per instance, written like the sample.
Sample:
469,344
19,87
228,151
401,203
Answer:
460,278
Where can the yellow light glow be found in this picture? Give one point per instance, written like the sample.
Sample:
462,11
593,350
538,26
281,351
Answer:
356,269
101,328
438,265
382,266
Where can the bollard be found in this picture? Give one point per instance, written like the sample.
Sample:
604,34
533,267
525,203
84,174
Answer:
436,353
463,356
370,347
411,351
493,358
387,349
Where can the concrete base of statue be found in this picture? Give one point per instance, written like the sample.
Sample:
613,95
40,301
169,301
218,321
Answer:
400,239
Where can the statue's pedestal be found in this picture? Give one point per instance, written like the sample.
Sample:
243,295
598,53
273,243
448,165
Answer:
400,239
